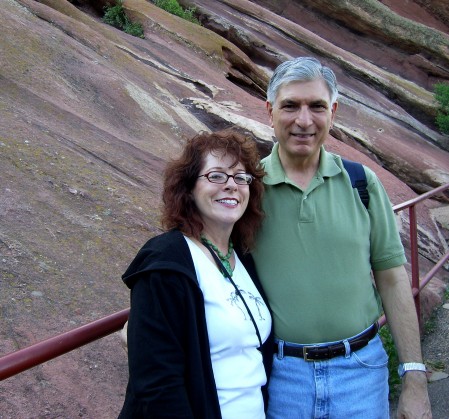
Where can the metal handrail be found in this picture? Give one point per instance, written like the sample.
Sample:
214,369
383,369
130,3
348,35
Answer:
420,198
36,354
422,284
411,204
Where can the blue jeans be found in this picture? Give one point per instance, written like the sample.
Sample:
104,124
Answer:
351,386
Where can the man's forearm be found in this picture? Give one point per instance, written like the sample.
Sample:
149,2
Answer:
397,300
395,291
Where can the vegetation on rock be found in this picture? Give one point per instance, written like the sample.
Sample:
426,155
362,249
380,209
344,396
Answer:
442,96
116,16
173,7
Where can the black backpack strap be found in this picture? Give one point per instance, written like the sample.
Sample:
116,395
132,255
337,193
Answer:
357,175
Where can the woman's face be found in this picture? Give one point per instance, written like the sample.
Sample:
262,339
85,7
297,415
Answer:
220,205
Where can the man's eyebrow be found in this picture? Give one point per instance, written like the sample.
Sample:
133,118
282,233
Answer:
288,101
319,102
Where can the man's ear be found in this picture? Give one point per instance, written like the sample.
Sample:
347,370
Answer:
270,112
334,110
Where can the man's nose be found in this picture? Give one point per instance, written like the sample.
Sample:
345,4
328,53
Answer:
303,117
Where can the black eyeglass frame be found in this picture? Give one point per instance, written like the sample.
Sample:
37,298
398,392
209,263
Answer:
249,176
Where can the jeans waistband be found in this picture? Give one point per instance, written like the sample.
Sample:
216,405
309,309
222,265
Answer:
328,350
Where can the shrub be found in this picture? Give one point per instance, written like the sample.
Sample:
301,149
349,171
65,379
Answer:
173,7
134,29
393,361
442,96
116,16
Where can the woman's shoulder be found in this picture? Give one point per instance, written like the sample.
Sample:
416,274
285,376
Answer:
164,239
167,251
163,245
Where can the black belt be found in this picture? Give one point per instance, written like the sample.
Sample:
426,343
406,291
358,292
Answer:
318,353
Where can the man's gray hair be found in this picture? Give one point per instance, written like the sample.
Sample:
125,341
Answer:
301,69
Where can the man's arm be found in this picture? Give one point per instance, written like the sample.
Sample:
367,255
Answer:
397,300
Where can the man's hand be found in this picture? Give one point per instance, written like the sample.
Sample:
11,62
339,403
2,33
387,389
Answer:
414,400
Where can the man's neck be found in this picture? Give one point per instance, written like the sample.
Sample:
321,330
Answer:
300,170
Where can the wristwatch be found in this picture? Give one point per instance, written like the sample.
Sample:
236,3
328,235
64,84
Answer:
410,366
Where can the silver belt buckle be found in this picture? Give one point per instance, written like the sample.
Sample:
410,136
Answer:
305,354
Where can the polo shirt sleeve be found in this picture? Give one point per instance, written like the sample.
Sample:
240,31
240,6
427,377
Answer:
386,249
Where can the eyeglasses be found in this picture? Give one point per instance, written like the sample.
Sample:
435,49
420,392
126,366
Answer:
221,177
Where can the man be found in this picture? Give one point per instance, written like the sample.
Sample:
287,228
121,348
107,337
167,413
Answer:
329,267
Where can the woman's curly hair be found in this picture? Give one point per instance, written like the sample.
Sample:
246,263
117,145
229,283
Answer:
179,209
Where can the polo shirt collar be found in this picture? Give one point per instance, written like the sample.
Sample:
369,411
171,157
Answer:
276,174
328,166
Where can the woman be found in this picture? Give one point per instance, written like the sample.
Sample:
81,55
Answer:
197,319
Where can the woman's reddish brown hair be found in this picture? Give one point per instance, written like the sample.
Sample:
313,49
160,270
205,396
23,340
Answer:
179,209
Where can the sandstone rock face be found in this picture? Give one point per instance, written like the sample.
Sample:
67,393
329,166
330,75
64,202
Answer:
90,115
437,8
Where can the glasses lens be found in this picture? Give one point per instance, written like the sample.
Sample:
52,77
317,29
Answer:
217,177
243,178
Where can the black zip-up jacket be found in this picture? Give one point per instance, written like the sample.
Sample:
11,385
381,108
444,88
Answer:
170,370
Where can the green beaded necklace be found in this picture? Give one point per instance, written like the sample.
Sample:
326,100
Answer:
224,258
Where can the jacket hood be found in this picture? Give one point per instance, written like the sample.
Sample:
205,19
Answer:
168,251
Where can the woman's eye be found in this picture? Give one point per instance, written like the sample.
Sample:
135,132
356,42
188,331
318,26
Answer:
215,176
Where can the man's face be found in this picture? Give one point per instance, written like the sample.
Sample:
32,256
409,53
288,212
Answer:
302,116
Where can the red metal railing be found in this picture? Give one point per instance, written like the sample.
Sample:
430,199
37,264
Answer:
36,354
418,285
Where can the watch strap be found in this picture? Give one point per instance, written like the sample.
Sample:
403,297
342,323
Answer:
410,366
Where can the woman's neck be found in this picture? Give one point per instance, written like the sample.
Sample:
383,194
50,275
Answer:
226,259
219,238
222,245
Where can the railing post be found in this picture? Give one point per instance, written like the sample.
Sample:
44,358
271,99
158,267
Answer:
414,257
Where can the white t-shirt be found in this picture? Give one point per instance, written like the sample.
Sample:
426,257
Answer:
236,362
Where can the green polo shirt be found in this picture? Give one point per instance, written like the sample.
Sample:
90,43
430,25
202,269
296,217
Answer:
316,249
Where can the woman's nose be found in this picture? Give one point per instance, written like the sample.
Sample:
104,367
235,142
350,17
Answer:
230,183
